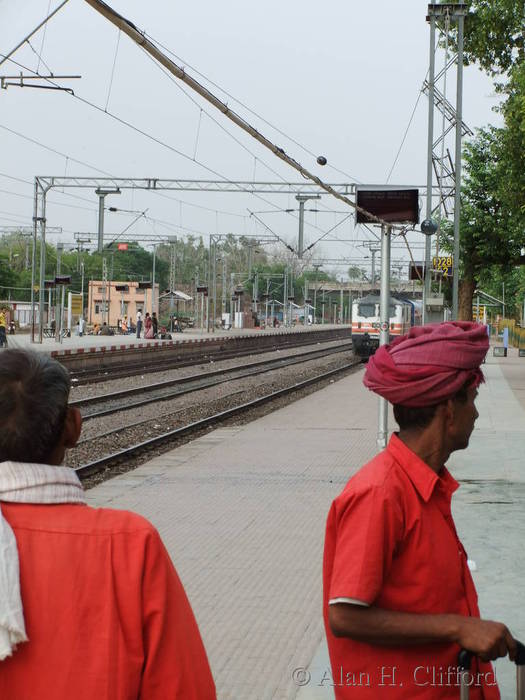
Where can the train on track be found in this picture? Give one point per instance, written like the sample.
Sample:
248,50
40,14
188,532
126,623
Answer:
366,322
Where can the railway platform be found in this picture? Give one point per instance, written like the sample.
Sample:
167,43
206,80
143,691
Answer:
97,343
242,511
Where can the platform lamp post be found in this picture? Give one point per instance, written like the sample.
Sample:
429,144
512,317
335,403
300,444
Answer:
102,193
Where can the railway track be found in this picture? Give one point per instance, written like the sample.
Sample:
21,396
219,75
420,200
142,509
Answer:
107,404
85,471
176,360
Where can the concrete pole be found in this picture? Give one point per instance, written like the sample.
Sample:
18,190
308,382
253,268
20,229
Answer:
384,311
224,287
267,299
82,285
33,270
42,298
285,299
430,140
373,253
60,248
214,283
457,197
300,242
153,280
100,245
61,316
341,317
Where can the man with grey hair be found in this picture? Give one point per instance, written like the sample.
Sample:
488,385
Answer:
90,604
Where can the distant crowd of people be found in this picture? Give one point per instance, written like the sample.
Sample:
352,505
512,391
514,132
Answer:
146,326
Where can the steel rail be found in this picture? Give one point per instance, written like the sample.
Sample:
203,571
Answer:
205,381
86,470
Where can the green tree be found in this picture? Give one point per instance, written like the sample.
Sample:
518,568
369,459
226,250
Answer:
494,35
491,237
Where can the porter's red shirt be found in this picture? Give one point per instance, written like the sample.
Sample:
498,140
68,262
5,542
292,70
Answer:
106,615
391,542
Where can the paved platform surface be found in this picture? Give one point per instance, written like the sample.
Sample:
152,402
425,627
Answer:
242,512
87,342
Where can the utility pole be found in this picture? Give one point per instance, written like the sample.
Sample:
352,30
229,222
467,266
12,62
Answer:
285,298
373,253
58,320
430,139
224,286
302,198
173,259
445,12
457,198
153,279
384,337
104,289
316,268
82,284
102,193
255,291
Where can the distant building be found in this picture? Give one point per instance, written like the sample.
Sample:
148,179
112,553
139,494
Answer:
19,311
117,300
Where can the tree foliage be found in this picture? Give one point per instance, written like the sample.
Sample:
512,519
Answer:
494,35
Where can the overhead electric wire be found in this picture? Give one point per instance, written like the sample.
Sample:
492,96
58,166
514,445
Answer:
216,122
8,56
405,134
158,141
103,172
248,109
329,231
141,40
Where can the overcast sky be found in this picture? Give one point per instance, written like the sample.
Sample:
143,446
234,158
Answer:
341,79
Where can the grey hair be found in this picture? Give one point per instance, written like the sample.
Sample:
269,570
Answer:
34,392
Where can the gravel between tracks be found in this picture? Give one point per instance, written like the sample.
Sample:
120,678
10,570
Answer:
159,418
137,380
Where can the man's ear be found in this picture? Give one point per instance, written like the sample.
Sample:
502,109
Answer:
72,427
449,412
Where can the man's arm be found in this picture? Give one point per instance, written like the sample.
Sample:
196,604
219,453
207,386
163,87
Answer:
485,638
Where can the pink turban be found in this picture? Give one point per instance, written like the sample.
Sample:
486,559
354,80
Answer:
428,365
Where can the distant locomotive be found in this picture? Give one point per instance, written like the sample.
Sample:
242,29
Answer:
366,322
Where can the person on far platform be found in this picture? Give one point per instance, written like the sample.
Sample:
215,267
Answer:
139,322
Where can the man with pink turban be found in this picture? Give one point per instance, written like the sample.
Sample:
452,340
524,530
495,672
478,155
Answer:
399,600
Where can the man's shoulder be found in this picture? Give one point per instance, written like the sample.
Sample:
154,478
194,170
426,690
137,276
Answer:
76,519
380,476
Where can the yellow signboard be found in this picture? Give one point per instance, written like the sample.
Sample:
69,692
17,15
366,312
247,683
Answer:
76,304
443,264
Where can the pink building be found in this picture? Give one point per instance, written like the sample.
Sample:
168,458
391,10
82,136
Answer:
118,299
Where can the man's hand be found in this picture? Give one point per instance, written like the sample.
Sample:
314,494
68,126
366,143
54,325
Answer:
487,639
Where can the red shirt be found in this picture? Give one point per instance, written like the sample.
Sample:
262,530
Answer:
106,615
391,543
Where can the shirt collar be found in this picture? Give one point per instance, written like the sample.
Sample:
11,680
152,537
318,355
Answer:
420,474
